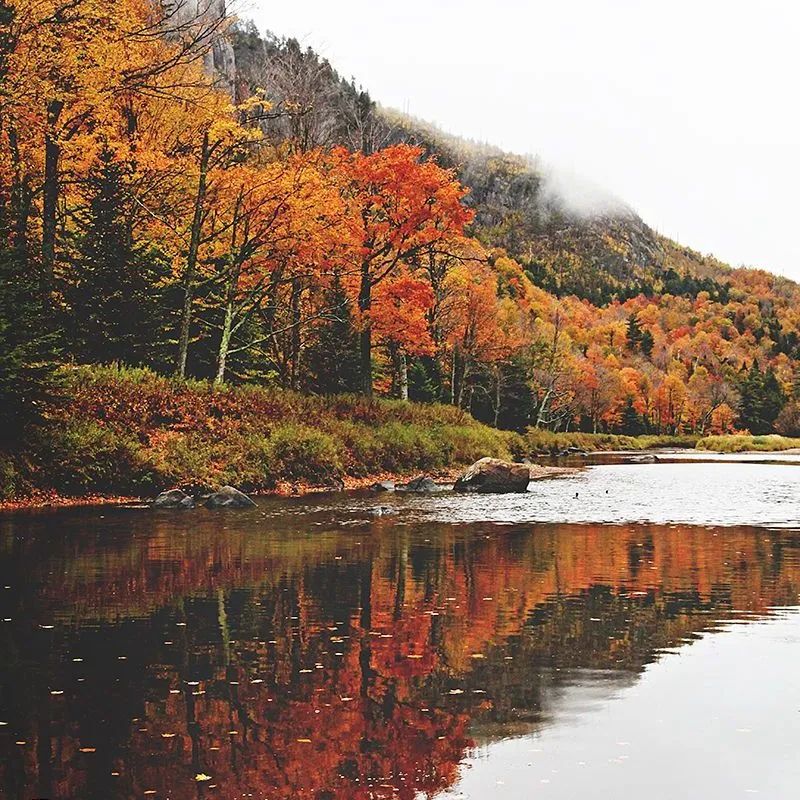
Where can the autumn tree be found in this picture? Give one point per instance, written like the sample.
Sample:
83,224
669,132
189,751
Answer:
400,204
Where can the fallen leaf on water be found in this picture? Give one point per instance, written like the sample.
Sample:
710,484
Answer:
305,741
168,735
456,691
88,749
478,655
201,776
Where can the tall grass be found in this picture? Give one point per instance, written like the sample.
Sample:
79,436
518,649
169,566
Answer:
543,442
120,430
742,443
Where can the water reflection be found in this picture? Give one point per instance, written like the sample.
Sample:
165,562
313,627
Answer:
270,656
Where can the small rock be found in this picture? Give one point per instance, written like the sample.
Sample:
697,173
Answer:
174,498
383,511
228,497
383,486
421,484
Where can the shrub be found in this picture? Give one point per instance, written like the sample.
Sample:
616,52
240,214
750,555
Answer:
302,453
84,456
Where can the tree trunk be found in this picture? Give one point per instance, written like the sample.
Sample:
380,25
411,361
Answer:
296,341
191,261
52,154
497,388
403,375
365,335
225,340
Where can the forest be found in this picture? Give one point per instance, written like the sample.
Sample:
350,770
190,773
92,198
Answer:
187,202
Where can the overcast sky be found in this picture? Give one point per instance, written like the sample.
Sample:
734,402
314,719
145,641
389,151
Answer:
687,110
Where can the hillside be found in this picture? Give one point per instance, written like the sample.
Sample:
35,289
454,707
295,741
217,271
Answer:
572,239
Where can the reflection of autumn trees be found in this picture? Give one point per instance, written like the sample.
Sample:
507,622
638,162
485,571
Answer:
334,666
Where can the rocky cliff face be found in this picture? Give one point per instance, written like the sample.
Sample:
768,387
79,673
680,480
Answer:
207,17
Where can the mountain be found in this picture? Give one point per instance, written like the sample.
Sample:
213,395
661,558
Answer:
570,237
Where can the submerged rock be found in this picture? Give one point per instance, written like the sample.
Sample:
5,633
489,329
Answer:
228,497
494,475
421,485
383,486
174,498
383,511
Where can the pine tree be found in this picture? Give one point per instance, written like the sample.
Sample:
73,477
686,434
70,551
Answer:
115,305
646,343
27,350
631,422
634,332
332,358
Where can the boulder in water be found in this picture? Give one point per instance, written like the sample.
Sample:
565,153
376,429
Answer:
494,475
174,498
228,497
422,484
383,486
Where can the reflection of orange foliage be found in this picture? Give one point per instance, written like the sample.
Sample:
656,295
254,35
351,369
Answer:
298,700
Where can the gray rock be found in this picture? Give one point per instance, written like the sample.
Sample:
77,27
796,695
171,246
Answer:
422,484
383,486
228,497
494,475
174,498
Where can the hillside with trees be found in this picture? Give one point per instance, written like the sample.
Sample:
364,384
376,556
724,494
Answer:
183,194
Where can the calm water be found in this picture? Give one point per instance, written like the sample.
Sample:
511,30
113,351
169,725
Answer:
456,647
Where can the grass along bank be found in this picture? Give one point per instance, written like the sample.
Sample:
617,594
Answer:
770,443
118,431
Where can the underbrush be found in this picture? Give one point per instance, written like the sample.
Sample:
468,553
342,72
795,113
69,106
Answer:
121,431
742,443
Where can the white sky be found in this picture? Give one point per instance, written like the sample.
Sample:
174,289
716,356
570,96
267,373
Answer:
687,110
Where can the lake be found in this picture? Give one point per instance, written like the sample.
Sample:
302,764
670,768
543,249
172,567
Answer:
630,630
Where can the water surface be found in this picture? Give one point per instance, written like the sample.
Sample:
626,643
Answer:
508,646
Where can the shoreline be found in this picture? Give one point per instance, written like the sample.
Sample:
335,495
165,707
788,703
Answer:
444,476
53,500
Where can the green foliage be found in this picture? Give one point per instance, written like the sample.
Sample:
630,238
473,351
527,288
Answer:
27,351
299,452
762,399
83,456
332,357
115,303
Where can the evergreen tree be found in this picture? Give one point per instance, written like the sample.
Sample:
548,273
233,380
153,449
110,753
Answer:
631,422
27,350
634,332
646,343
762,399
115,303
332,358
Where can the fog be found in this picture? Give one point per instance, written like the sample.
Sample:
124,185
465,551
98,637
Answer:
687,112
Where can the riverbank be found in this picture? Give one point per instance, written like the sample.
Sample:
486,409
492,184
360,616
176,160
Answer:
116,435
131,433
